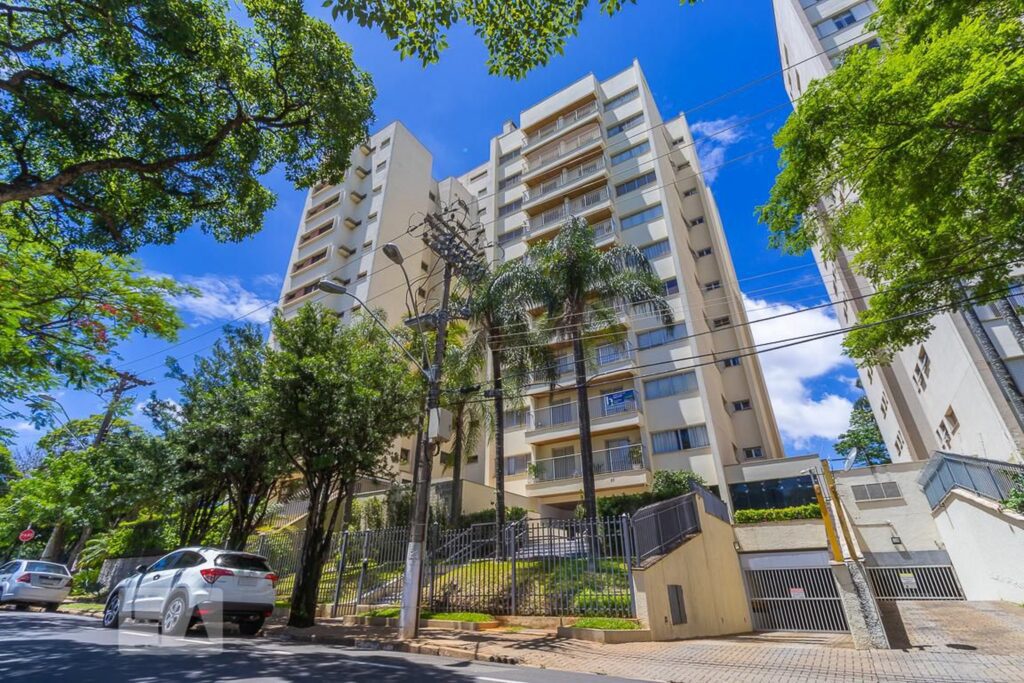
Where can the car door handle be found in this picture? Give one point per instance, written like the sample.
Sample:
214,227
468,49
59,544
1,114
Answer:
155,577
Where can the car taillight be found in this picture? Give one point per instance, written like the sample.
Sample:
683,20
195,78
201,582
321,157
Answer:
212,574
25,578
272,577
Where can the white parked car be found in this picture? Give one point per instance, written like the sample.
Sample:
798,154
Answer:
190,584
34,582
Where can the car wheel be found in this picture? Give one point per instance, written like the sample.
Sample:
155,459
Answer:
175,619
21,607
250,628
112,612
51,606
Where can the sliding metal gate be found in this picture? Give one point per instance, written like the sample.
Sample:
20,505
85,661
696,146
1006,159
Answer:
919,582
804,599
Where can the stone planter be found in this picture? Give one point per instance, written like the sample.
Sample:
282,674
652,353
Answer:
608,637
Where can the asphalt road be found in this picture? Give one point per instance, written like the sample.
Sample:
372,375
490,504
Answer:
36,646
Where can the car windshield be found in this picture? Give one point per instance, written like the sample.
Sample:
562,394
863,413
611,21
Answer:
46,567
251,562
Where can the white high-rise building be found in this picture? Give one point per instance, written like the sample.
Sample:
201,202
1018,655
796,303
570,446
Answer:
961,390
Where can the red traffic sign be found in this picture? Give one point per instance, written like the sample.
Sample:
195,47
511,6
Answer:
26,535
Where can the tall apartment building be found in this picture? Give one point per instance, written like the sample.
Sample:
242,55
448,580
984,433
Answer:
961,389
685,397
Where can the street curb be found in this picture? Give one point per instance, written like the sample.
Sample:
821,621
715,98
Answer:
395,646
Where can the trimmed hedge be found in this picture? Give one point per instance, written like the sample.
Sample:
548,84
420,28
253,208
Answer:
809,511
606,624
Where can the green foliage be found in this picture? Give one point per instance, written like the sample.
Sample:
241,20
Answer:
124,123
589,601
398,500
863,435
606,624
917,148
518,34
809,511
1015,501
374,513
385,612
666,485
475,617
143,536
8,470
512,514
62,310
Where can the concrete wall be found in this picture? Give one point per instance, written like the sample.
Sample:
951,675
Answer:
985,544
708,569
796,534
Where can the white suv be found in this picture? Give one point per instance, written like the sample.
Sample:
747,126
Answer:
189,584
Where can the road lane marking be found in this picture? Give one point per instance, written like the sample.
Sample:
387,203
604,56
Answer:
356,660
497,680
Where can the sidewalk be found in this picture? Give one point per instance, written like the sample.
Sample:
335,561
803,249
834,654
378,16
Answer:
774,658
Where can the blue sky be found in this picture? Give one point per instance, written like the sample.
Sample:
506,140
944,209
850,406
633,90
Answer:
694,59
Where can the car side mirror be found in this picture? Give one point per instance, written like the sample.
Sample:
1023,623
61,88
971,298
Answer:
141,569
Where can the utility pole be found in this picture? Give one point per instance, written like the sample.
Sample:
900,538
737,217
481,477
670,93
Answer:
445,233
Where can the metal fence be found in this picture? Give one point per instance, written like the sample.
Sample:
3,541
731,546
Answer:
802,599
921,582
992,479
661,527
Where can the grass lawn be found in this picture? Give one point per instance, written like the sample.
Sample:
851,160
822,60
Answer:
606,624
393,612
98,606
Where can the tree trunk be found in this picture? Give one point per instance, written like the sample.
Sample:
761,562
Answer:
316,541
346,514
499,450
55,544
455,506
76,549
583,408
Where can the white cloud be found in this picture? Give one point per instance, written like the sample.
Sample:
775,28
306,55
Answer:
270,280
25,427
803,415
713,137
223,298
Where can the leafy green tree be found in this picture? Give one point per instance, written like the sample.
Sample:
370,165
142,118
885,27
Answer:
219,426
123,123
8,470
337,395
463,366
63,310
518,34
580,285
911,157
863,435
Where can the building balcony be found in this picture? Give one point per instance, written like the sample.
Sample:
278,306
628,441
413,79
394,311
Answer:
626,458
608,359
563,124
589,204
608,412
569,179
562,152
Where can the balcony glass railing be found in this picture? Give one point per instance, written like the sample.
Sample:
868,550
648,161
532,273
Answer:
567,177
563,148
625,458
562,212
615,403
561,123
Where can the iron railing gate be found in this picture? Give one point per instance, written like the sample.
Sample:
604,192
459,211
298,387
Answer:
919,582
804,599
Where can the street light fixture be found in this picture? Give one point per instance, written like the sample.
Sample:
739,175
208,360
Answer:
392,251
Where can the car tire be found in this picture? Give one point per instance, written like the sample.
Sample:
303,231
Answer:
112,612
175,619
250,628
51,606
21,607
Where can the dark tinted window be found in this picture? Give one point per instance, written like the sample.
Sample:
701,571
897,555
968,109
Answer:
250,562
46,567
773,493
165,562
189,559
9,568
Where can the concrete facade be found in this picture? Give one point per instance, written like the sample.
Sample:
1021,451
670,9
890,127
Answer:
942,394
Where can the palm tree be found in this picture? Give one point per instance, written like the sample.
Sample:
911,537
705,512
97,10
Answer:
501,321
463,366
580,285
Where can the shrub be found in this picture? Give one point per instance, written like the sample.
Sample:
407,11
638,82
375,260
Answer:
512,514
665,485
477,617
809,511
589,601
606,624
1015,501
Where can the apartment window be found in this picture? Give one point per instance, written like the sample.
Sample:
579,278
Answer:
922,369
706,251
631,153
310,260
624,125
753,453
424,267
719,323
404,455
689,193
508,182
883,405
712,286
673,385
421,293
699,220
323,206
377,190
740,406
771,494
564,364
951,420
620,100
680,439
510,236
315,232
943,435
361,275
640,217
733,362
372,217
478,176
299,292
886,490
431,196
870,371
655,250
482,211
636,183
516,464
509,156
671,286
847,18
899,444
382,165
481,192
660,336
510,208
385,143
516,418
